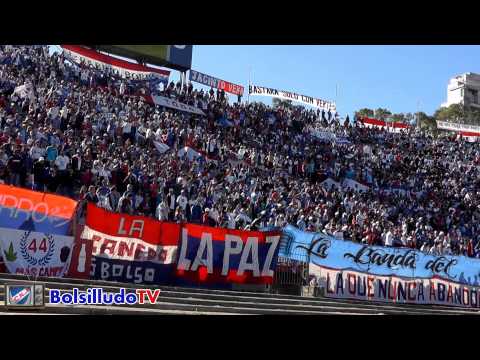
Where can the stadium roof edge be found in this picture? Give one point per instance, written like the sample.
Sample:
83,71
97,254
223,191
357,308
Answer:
153,60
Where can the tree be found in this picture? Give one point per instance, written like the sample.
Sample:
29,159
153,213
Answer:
426,122
398,118
365,113
454,113
276,102
409,117
382,114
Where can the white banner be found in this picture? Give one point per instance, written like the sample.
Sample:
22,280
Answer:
287,95
79,54
173,104
35,254
116,247
347,284
445,125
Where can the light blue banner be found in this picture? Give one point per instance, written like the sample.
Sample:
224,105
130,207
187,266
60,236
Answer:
327,251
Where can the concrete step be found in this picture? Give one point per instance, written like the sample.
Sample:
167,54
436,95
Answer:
216,301
270,302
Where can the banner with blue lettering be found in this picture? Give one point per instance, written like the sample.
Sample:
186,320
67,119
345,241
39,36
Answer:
216,256
327,251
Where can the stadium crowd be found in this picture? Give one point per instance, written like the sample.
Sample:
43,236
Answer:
90,135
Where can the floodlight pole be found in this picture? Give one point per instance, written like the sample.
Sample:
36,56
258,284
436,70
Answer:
249,83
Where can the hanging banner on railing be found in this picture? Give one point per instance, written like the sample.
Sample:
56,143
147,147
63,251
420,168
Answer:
173,104
377,260
129,248
348,284
287,95
34,232
395,127
217,256
215,83
80,54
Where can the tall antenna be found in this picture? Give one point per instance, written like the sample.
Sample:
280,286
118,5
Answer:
249,82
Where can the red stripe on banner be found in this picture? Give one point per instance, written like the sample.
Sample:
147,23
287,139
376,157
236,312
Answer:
202,276
230,88
377,122
218,234
469,133
140,227
95,55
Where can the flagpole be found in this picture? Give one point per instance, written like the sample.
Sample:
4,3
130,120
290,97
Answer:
249,83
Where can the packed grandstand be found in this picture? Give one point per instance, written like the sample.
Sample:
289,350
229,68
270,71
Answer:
146,167
94,137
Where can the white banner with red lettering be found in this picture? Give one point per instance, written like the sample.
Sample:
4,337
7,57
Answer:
349,284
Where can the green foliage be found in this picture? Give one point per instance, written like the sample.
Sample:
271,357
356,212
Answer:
426,122
276,102
458,113
454,112
10,255
365,113
382,114
398,118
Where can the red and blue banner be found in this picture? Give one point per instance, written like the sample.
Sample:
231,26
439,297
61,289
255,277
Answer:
127,248
35,231
216,256
80,54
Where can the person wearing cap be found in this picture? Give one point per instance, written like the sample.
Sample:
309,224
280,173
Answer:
206,220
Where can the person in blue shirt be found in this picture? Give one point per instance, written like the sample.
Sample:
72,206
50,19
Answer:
52,153
195,212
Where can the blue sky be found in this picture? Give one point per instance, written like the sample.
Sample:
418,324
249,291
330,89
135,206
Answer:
400,78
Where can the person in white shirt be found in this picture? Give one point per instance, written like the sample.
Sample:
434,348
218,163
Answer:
425,248
389,238
62,161
36,152
162,211
182,200
243,216
126,129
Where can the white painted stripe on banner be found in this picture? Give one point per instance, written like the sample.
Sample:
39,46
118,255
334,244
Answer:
111,250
